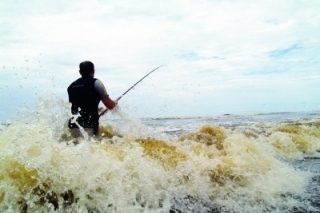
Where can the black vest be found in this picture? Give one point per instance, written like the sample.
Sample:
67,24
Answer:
85,100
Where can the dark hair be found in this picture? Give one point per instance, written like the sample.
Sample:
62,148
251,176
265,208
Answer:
86,67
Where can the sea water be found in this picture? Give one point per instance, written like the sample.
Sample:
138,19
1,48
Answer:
228,163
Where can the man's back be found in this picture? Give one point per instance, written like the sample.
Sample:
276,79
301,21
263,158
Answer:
84,97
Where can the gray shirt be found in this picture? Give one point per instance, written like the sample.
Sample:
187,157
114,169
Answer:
100,89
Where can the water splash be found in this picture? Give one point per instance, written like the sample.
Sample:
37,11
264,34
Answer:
210,169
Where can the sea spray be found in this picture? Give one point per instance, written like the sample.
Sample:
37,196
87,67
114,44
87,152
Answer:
209,169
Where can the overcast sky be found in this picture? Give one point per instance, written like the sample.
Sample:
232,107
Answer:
221,56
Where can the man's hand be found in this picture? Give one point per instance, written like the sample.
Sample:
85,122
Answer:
110,104
100,109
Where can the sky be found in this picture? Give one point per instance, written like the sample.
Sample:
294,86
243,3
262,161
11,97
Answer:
220,57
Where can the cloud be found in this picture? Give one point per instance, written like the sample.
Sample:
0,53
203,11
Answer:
208,46
285,51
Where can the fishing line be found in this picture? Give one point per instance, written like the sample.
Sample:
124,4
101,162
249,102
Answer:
133,87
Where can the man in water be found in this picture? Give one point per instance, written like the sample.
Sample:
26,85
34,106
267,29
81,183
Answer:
85,95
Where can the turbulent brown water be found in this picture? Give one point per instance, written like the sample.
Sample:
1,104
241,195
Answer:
252,163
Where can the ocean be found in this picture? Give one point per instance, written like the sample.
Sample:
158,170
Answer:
266,162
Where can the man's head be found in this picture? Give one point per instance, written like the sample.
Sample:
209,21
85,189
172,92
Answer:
86,68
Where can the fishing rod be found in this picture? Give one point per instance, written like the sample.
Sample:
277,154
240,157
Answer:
133,86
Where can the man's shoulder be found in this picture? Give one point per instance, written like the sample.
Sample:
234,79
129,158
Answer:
98,83
79,79
74,82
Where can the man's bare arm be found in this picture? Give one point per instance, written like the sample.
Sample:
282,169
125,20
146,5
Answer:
110,104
